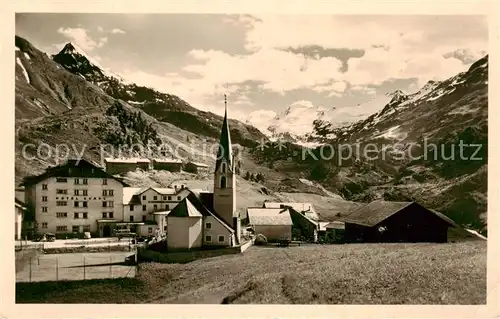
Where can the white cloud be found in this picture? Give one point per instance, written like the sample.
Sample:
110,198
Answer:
261,119
100,29
117,31
81,38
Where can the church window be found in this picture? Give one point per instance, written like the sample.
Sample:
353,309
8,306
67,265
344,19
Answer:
223,167
223,182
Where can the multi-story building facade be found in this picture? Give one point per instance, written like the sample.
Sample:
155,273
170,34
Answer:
75,197
145,209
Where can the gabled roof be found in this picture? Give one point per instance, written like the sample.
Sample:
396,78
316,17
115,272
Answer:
167,160
198,164
126,160
306,208
72,168
203,201
185,209
377,211
335,225
225,151
269,216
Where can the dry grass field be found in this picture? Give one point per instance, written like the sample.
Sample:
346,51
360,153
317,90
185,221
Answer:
313,274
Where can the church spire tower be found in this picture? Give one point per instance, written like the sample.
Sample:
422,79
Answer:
224,177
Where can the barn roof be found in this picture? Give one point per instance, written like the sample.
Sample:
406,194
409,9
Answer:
377,211
335,225
269,216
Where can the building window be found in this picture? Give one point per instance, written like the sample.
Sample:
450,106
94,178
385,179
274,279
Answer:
61,228
77,204
44,198
76,192
76,215
104,192
44,209
104,215
85,181
75,229
208,225
223,182
155,207
104,181
131,218
143,197
143,208
44,225
166,207
164,228
221,238
44,187
85,192
85,215
77,181
86,228
61,191
150,230
164,197
223,167
110,192
61,203
85,204
61,180
110,214
61,215
131,208
104,204
155,197
143,218
208,238
178,198
169,197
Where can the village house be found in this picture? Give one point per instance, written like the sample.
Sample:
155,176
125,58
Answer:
145,209
115,166
384,221
274,223
19,210
195,167
304,217
167,164
209,219
74,197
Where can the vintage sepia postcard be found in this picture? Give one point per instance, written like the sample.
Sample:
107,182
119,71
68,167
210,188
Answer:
213,154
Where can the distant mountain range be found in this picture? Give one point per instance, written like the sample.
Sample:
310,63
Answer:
69,98
442,113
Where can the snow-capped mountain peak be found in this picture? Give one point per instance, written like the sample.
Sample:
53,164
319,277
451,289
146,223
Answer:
76,60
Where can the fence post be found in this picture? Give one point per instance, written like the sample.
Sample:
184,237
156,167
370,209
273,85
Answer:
83,267
57,269
31,259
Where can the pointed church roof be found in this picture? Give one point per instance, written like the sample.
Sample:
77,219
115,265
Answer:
185,209
225,148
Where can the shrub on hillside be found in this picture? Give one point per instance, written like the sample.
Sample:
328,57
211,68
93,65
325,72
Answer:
260,240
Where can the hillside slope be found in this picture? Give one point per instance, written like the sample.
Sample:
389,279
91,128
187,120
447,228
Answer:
77,106
404,151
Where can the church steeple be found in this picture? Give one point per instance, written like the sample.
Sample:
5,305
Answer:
225,152
224,202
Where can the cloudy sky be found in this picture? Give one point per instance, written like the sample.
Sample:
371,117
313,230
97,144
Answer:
266,63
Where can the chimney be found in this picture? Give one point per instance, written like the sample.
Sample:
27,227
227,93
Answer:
175,187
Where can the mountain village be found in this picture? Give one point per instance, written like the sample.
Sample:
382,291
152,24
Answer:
80,208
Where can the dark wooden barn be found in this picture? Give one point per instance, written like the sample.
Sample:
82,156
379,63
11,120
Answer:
383,221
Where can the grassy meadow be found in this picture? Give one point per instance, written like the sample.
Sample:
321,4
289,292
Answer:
453,273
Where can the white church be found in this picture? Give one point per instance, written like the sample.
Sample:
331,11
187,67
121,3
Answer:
204,219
